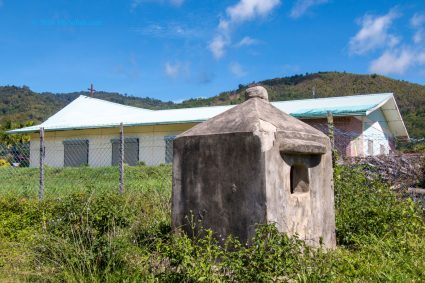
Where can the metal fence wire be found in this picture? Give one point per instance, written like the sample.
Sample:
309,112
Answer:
47,165
17,155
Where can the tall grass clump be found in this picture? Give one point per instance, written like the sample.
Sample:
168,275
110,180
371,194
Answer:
94,234
381,236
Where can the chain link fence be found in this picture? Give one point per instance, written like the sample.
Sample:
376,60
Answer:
46,165
80,164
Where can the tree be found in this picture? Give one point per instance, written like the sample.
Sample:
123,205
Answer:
13,139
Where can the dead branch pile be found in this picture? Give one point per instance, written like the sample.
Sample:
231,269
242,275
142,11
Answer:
400,171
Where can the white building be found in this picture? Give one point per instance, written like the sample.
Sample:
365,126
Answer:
86,131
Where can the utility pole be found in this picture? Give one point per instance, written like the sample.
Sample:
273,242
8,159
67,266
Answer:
314,91
92,90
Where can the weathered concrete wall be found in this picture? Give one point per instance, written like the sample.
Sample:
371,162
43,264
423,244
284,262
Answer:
221,186
309,213
254,164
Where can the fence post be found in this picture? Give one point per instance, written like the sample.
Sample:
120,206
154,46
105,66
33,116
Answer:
41,165
331,134
121,163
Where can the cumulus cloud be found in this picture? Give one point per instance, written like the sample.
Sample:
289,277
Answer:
398,55
393,62
246,10
171,70
217,46
374,33
176,70
418,36
417,20
246,41
421,58
237,70
302,6
242,11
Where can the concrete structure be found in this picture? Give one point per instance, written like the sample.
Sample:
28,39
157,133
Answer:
364,125
254,164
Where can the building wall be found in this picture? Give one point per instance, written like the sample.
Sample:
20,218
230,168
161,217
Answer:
151,144
352,138
347,133
377,136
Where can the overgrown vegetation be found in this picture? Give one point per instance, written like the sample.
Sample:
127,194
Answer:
88,233
22,104
414,146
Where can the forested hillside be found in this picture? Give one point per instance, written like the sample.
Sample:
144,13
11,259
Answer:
21,104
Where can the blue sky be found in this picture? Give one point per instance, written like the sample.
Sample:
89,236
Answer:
178,49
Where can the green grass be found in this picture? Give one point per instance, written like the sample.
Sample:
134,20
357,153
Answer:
60,182
84,231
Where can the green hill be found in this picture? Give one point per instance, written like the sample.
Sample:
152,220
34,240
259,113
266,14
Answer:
21,104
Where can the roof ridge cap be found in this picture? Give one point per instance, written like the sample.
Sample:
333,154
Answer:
115,103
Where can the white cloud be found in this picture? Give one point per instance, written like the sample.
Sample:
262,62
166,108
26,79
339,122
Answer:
302,6
417,20
242,11
418,36
223,25
393,62
237,69
246,10
393,40
398,56
374,33
171,70
246,41
421,58
217,46
177,70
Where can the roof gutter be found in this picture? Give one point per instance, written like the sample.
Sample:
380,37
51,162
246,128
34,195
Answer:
47,129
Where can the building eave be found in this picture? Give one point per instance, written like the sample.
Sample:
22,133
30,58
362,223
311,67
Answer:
352,106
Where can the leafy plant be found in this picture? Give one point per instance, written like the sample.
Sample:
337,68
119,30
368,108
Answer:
4,163
93,234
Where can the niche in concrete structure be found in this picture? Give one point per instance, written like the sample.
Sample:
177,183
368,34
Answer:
299,180
299,166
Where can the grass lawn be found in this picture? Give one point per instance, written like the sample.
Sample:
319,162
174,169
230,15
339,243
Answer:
84,231
60,182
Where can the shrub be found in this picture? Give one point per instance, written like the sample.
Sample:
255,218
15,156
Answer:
110,237
20,218
367,207
4,163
